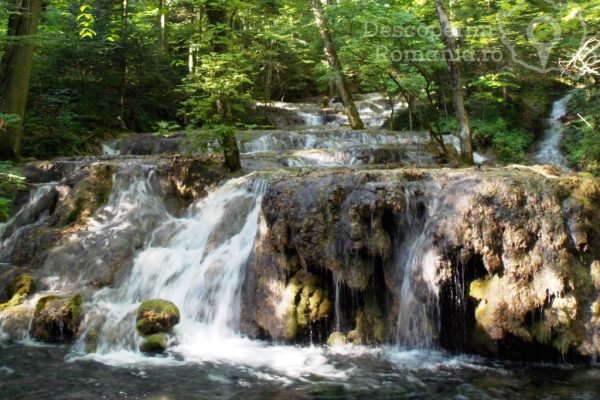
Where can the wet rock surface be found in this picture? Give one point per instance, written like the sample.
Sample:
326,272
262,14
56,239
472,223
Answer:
56,319
156,316
499,261
89,220
510,256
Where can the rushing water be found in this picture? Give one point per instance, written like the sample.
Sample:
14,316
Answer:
198,261
375,109
41,372
549,151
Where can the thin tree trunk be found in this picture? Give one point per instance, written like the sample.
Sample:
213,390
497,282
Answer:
336,68
15,74
123,86
217,18
462,118
162,21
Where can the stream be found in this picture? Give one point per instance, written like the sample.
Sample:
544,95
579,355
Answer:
198,258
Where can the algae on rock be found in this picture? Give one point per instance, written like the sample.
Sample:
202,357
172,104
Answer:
156,316
56,319
17,290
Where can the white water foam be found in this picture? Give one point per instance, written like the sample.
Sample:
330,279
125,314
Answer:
549,151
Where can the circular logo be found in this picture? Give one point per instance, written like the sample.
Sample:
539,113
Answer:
540,36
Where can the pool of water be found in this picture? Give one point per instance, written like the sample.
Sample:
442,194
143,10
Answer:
41,371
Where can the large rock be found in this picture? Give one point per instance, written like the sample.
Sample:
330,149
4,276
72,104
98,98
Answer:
506,259
91,223
17,290
56,319
156,316
155,343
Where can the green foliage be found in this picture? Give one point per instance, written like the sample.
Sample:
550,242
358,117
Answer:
8,120
512,144
166,128
509,143
582,134
11,181
101,70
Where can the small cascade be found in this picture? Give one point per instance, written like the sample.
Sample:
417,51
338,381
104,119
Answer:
454,141
41,200
549,151
375,109
111,149
418,318
311,119
337,311
326,147
197,262
133,209
418,322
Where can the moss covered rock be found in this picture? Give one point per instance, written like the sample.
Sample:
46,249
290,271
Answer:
17,290
307,303
370,326
156,316
91,341
337,339
56,319
155,343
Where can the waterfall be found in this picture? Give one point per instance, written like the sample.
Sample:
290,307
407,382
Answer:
418,322
196,261
311,118
549,150
41,199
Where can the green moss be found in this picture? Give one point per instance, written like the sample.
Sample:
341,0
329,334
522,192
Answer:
291,324
336,339
77,209
91,341
155,316
41,304
18,290
308,303
22,285
56,318
370,328
156,343
381,243
91,194
74,313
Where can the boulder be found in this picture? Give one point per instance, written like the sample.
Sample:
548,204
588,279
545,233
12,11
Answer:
507,258
337,339
56,319
156,316
17,290
91,341
155,343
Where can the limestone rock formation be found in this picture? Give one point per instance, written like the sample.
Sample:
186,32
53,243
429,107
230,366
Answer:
507,258
56,319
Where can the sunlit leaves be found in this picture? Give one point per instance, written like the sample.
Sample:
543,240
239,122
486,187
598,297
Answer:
85,21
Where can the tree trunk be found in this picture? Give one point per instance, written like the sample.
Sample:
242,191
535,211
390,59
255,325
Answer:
336,68
217,18
15,74
123,62
162,21
462,118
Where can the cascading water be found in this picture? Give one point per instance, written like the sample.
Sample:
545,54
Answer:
549,151
418,317
197,262
328,146
374,109
40,201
